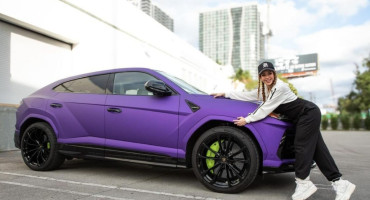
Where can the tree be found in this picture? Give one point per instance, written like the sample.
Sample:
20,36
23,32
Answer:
358,100
357,121
367,122
349,103
345,120
291,86
362,83
324,122
246,78
334,122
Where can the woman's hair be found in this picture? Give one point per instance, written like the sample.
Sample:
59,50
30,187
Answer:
262,86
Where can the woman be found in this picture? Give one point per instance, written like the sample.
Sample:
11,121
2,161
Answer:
308,143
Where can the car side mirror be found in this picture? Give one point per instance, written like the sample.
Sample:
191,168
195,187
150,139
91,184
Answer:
157,87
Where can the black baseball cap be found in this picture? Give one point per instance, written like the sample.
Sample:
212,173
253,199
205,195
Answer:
265,66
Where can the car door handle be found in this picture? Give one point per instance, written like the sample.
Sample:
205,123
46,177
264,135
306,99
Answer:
114,110
56,105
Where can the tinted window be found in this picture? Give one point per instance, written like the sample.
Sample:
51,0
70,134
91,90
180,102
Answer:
131,83
90,85
190,89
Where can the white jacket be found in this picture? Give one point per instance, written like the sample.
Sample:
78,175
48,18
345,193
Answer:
279,94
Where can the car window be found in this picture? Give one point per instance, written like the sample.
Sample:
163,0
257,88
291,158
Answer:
88,85
190,89
131,83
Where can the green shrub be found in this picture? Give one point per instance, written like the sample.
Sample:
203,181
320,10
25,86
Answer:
367,122
324,122
345,120
334,122
357,121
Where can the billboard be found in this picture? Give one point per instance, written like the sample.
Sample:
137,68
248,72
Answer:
296,66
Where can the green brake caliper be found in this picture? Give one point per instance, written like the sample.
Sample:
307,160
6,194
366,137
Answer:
48,145
210,162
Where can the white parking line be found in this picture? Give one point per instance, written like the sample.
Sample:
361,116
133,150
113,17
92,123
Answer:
324,187
105,186
64,191
321,186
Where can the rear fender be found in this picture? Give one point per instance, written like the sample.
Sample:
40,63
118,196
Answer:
42,115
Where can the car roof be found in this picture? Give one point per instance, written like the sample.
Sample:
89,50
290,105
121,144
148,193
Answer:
115,70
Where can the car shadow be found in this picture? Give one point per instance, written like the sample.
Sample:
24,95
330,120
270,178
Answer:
274,183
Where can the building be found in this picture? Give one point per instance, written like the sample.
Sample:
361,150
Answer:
154,11
233,36
81,36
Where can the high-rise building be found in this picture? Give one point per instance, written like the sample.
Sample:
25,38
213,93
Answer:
154,11
233,36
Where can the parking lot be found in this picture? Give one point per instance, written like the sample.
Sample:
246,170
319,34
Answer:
88,179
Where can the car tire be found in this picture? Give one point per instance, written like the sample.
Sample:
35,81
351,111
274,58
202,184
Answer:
39,148
225,159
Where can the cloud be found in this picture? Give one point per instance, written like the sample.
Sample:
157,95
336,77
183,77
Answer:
347,44
326,77
339,50
339,7
286,20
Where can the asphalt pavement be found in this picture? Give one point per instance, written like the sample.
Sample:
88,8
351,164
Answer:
91,179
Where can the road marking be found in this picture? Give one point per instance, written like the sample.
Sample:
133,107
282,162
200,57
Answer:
316,172
64,191
110,187
60,180
324,187
321,186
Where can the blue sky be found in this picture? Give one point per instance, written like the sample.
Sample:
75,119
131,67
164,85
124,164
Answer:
338,30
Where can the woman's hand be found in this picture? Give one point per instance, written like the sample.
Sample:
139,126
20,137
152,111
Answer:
215,95
240,121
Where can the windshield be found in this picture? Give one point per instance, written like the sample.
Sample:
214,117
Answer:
181,83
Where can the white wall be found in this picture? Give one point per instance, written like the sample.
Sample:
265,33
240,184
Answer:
91,35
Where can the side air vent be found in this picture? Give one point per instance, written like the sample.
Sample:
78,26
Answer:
286,147
194,107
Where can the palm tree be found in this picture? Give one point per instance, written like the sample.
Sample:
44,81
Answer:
246,78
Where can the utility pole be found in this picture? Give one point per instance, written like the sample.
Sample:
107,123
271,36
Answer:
332,91
269,32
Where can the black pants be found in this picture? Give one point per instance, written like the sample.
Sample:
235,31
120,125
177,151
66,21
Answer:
309,145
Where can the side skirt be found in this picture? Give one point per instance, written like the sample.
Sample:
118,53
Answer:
98,152
282,169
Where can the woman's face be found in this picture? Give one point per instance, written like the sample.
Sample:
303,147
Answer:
267,77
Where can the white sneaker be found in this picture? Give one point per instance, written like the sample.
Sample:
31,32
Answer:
344,189
305,188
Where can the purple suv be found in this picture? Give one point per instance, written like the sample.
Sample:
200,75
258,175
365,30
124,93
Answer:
147,116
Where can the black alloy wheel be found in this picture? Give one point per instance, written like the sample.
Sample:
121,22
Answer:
225,159
38,148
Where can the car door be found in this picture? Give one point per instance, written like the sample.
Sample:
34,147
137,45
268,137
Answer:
78,110
137,121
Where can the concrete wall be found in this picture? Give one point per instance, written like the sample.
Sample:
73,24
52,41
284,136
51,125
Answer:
7,123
